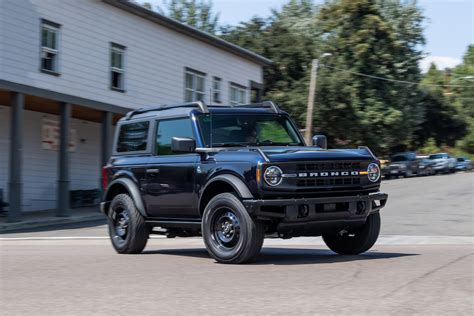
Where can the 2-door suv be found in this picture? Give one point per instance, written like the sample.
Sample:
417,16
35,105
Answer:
234,175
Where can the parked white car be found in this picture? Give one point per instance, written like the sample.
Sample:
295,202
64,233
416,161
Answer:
443,163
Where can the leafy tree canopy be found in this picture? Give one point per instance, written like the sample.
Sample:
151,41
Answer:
194,13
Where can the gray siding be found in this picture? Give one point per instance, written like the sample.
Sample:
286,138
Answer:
155,56
40,165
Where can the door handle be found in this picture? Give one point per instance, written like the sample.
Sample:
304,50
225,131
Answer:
153,171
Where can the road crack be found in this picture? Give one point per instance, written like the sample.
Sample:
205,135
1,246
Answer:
426,274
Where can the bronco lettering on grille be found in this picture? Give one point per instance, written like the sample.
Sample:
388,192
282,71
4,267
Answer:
326,174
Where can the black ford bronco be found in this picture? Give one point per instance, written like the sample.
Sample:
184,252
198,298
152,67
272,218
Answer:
234,175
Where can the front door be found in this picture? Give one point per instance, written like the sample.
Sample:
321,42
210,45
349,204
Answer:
170,178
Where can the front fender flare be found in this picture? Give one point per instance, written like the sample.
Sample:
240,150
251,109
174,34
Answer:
239,186
132,189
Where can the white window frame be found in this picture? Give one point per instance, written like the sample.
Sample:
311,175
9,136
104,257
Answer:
241,94
216,81
193,89
119,49
53,28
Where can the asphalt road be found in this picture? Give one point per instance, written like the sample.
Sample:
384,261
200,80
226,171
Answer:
422,263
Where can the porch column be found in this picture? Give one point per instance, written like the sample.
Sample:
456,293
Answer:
63,163
16,157
106,134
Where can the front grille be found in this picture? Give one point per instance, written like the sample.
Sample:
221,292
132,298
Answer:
328,182
328,166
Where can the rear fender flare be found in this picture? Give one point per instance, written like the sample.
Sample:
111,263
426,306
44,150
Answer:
132,189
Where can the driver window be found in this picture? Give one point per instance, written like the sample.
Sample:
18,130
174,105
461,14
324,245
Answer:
167,129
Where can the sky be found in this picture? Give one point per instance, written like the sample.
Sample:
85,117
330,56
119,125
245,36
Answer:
449,25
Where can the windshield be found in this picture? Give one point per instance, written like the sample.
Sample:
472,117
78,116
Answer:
399,158
248,130
438,156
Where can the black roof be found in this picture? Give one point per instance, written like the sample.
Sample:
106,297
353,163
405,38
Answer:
177,26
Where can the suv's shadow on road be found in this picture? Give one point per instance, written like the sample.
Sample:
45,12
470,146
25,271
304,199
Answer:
289,256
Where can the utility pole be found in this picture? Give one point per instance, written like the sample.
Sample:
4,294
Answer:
311,95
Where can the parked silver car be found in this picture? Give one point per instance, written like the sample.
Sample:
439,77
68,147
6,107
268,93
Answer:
463,164
443,163
402,165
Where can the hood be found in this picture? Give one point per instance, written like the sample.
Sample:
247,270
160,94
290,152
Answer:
398,164
287,154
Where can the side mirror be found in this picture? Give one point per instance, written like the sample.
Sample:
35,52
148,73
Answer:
183,145
320,141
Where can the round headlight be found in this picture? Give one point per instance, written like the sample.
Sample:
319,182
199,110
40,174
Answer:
273,176
373,172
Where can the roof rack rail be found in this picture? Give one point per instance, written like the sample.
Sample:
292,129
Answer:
265,104
199,104
273,105
203,107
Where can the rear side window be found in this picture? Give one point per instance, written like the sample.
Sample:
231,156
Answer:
133,137
168,129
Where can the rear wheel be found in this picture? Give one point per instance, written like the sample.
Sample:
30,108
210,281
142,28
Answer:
230,234
127,228
356,241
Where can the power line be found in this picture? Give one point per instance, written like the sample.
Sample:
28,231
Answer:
394,80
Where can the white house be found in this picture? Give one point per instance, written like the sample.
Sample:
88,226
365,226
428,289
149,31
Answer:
79,65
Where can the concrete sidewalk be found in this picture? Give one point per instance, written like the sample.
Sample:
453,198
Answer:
36,219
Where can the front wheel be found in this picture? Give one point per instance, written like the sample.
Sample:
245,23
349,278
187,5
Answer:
229,233
355,241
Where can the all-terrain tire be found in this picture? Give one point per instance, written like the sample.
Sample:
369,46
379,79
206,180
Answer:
358,241
229,233
127,229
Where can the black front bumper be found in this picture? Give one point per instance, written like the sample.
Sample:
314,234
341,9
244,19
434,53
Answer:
311,213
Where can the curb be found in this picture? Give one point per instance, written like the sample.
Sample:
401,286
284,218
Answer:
49,221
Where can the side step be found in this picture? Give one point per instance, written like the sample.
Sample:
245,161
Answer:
174,223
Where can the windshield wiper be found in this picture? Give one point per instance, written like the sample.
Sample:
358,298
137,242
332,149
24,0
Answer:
229,144
272,143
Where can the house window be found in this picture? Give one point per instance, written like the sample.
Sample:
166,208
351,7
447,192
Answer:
117,72
49,47
216,90
237,94
195,84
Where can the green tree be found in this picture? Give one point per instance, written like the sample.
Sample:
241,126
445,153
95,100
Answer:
443,121
463,96
198,14
381,39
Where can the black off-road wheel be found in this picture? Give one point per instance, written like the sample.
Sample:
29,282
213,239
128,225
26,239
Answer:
127,228
230,234
355,241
